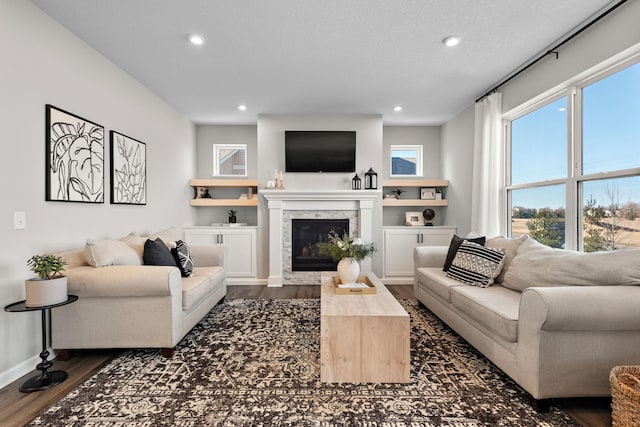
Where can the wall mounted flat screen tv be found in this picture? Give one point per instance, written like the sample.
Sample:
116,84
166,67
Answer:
320,151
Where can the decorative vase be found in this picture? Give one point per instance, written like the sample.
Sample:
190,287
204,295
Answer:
348,270
41,292
232,219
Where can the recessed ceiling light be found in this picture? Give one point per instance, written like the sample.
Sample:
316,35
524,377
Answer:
451,41
397,108
196,39
242,107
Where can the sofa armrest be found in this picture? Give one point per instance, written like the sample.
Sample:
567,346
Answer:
582,308
208,255
429,256
124,281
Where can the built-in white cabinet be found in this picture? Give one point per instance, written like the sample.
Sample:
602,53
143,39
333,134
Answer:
241,244
399,243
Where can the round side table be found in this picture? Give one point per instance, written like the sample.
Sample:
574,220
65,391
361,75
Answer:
46,379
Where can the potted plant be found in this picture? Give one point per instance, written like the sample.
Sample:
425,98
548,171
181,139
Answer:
50,287
232,216
348,252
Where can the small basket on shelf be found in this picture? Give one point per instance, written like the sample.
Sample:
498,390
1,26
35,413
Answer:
625,395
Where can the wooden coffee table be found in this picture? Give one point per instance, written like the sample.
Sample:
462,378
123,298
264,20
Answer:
363,338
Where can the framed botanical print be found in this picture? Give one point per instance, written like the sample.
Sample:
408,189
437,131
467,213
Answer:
128,170
74,158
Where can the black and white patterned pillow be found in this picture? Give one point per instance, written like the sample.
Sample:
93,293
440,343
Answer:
476,265
183,258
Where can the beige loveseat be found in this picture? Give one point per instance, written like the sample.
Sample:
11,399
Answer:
124,304
556,321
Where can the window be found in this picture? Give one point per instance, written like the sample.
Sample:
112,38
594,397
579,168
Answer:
229,160
406,160
574,165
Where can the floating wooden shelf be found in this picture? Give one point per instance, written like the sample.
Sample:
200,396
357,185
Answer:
413,202
223,182
225,202
250,184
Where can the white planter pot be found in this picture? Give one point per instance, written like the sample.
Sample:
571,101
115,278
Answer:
42,292
348,270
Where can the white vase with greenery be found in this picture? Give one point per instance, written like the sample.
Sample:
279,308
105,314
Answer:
348,252
50,287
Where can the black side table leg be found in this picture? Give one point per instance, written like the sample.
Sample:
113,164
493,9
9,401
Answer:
46,379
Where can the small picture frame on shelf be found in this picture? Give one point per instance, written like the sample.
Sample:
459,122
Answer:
413,218
427,193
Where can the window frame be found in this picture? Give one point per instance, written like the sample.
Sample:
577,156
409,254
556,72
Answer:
216,159
419,160
574,181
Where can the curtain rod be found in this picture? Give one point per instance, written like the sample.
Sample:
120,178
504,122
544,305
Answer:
552,50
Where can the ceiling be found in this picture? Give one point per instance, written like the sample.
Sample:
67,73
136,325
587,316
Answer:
320,56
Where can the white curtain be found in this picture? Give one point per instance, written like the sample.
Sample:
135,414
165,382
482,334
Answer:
487,204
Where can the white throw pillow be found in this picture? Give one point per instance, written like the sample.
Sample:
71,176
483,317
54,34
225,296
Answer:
168,236
102,253
510,246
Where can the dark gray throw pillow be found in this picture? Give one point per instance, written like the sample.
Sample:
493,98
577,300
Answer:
157,253
456,241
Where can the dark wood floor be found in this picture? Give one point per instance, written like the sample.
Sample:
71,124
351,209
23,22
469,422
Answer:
17,408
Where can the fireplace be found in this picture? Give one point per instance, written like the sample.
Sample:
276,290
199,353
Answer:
306,237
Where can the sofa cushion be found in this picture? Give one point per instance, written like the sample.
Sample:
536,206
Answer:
437,281
101,253
495,308
510,246
157,253
476,265
182,256
194,288
538,265
215,274
456,241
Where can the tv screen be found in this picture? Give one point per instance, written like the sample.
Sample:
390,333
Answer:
320,151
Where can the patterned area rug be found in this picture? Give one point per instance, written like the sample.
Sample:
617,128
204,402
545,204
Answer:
256,363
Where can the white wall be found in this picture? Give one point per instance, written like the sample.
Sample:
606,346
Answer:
206,136
429,138
457,167
45,63
271,157
614,33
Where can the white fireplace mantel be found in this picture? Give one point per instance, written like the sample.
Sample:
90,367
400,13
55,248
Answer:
319,200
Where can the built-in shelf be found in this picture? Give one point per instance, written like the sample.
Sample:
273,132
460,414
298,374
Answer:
440,184
250,184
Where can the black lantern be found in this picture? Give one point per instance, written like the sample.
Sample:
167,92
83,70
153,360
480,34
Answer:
356,183
370,180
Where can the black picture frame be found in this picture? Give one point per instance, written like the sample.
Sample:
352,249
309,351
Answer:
74,162
128,170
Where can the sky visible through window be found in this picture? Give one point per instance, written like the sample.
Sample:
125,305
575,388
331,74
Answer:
611,138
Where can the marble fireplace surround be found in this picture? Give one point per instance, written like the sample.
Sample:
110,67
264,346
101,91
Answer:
360,202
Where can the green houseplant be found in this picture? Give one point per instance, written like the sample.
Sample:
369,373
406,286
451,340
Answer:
50,287
348,252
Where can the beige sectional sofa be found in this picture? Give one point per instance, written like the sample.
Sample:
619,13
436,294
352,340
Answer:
556,321
124,304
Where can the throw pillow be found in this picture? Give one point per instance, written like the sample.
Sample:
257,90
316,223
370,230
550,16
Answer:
157,253
182,255
510,246
455,244
168,236
476,265
102,253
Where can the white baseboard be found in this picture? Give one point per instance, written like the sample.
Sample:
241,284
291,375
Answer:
397,280
252,281
12,374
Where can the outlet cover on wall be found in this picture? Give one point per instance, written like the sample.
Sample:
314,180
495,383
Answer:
19,220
